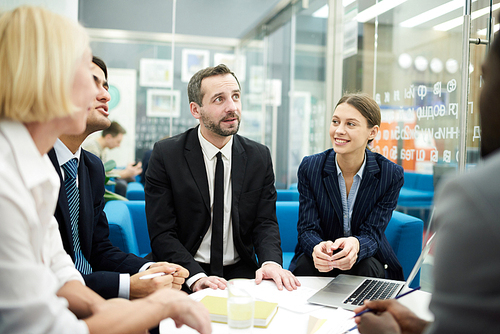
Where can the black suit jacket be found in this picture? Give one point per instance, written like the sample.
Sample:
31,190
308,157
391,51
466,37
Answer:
178,201
107,261
321,212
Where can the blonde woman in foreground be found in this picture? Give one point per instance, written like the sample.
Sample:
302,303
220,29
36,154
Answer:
46,90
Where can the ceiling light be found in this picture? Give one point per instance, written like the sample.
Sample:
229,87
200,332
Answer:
436,65
421,63
459,20
451,66
433,13
378,9
322,12
482,32
404,61
346,3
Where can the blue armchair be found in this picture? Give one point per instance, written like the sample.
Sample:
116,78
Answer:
128,229
135,191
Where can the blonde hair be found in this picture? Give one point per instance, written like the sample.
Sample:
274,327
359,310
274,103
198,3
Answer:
39,52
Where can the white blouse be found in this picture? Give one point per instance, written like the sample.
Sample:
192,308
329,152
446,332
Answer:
33,262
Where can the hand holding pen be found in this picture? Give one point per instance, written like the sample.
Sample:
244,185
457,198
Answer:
394,310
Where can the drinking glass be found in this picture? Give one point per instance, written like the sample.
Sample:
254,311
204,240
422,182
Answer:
240,305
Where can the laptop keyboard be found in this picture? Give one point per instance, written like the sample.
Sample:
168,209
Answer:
372,289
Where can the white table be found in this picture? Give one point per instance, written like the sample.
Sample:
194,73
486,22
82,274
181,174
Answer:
287,321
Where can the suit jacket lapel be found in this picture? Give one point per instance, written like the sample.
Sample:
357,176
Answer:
62,209
195,161
369,184
238,169
331,183
86,220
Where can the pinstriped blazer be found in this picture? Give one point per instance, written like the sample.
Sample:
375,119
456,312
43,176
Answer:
320,211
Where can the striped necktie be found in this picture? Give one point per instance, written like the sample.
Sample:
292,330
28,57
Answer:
73,195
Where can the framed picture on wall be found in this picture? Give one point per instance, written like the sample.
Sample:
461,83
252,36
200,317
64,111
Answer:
156,73
163,103
193,61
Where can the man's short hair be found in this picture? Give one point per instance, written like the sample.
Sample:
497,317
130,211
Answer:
194,87
114,130
99,62
39,52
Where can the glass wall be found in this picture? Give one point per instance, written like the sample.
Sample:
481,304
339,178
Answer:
295,65
292,69
409,56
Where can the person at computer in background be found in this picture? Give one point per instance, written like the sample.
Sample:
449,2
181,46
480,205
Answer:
466,295
113,272
111,138
347,195
46,91
180,193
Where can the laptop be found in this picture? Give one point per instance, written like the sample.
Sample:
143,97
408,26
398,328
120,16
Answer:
349,291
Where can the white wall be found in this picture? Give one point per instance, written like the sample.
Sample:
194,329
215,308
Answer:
68,8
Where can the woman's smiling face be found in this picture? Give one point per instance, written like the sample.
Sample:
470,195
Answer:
349,131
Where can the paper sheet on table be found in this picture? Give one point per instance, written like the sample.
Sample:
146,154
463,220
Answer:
314,324
295,301
340,323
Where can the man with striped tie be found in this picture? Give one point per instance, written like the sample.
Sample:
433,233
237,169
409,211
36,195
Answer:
83,224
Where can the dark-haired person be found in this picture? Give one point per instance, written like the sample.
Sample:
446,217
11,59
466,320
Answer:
218,241
347,195
105,268
110,138
466,296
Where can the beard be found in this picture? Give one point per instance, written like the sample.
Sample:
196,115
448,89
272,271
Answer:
217,129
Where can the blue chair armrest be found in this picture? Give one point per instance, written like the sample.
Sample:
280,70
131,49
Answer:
138,213
121,231
404,233
135,191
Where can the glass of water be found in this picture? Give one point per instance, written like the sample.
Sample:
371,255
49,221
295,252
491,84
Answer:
240,305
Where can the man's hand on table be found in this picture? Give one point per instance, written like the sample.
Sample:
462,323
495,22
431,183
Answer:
280,276
212,282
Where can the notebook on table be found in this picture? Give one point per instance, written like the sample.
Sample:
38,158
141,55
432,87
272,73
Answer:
349,291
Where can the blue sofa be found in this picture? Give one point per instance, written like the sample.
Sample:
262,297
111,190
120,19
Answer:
417,191
128,229
403,232
287,213
287,195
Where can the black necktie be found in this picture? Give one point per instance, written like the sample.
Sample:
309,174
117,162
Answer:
216,247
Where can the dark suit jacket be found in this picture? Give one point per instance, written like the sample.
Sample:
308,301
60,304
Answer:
107,261
178,201
320,211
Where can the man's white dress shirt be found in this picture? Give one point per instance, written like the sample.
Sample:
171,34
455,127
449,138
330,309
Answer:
230,255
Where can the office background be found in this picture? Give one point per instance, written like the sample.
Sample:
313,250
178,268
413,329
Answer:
294,60
420,60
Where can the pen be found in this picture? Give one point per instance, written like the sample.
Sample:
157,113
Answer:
370,310
152,275
397,297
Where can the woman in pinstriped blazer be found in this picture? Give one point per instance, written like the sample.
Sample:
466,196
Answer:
347,195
